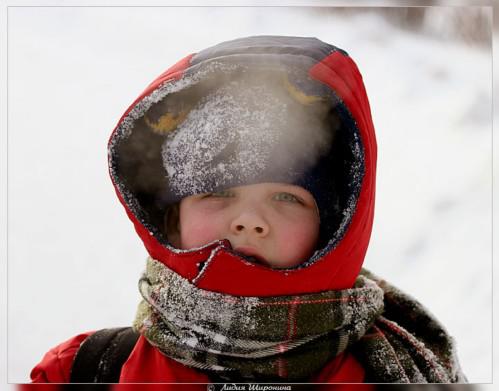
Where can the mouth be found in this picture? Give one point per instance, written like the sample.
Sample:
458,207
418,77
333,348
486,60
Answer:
250,253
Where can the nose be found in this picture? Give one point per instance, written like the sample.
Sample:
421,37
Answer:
250,222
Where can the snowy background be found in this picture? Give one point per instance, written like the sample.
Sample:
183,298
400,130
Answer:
74,258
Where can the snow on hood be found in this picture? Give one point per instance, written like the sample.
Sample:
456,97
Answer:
140,160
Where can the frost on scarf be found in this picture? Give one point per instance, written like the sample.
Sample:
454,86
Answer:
407,344
247,336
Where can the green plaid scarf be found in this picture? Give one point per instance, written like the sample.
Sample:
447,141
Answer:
292,337
265,338
407,344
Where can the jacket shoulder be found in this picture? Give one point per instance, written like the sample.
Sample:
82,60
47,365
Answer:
55,366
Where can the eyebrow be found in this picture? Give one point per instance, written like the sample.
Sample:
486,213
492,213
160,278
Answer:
299,190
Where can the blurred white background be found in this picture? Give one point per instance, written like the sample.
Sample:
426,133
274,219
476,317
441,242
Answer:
74,258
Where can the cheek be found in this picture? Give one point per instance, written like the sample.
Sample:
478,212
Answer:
198,228
297,241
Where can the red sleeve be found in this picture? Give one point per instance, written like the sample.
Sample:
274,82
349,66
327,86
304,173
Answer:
56,364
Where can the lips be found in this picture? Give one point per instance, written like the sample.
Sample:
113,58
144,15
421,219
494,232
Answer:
252,254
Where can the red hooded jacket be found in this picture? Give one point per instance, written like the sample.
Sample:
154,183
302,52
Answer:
336,266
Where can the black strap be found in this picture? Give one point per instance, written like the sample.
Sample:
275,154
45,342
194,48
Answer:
102,354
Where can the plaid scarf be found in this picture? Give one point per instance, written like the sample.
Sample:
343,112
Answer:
292,337
247,338
407,344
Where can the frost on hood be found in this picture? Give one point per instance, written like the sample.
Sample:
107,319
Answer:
225,124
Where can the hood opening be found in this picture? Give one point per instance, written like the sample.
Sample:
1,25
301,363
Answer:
135,149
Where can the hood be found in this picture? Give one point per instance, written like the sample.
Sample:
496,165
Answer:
313,69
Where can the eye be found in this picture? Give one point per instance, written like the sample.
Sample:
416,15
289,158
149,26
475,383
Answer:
221,194
287,197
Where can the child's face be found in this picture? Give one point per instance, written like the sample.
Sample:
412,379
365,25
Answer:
277,224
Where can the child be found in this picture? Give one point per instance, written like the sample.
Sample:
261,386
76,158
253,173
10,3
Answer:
248,171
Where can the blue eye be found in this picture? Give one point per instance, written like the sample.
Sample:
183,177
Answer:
287,197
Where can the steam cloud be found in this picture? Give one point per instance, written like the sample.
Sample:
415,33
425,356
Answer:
247,130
